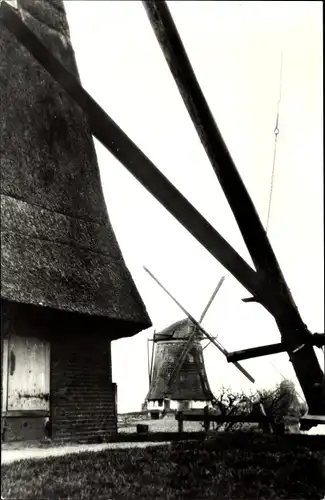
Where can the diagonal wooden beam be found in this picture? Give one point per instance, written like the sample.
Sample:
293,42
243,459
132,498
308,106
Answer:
191,339
133,159
256,352
211,299
274,293
207,345
237,195
229,178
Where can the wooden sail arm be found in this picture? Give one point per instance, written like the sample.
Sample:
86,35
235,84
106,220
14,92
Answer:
199,328
222,163
207,307
192,338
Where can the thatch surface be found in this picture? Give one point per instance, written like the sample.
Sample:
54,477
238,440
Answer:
58,248
48,12
179,330
191,383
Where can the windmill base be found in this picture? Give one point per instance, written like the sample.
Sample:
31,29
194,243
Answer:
160,408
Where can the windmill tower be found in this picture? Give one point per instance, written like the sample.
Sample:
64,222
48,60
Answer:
66,292
177,377
189,387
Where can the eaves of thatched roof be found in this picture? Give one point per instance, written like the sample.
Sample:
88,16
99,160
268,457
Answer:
58,248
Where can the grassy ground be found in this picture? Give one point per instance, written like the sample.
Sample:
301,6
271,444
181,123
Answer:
127,424
227,467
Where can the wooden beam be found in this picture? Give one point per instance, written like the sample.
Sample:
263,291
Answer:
274,293
181,359
149,367
317,419
195,417
207,345
211,299
191,339
319,339
250,299
255,352
133,159
222,163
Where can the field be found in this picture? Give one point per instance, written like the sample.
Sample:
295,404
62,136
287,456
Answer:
223,466
232,466
127,424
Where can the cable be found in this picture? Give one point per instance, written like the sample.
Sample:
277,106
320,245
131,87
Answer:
276,133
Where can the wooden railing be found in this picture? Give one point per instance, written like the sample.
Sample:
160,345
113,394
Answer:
206,417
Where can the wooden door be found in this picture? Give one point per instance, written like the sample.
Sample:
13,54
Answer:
4,378
28,374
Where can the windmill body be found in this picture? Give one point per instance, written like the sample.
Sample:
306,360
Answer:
190,387
66,292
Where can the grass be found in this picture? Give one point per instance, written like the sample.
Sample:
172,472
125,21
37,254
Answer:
230,466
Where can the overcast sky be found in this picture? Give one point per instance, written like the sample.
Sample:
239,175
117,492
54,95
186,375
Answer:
235,48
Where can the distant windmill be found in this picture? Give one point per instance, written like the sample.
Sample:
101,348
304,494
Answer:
177,376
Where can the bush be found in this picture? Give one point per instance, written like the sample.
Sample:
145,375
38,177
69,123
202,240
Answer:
278,404
281,402
228,403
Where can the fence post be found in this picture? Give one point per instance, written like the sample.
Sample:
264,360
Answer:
206,419
180,421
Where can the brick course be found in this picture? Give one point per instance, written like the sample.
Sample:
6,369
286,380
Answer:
82,392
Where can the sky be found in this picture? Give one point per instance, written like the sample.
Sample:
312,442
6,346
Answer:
235,49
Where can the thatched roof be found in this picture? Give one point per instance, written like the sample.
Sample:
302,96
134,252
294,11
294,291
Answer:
179,330
58,248
192,382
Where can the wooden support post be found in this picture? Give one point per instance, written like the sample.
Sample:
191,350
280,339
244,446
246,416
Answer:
266,425
256,352
316,339
206,419
180,421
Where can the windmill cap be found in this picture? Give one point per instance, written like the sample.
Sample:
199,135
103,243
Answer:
179,330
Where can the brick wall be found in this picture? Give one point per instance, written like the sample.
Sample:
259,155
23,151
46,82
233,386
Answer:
82,393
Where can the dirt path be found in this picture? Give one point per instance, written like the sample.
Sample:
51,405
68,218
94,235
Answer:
8,456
